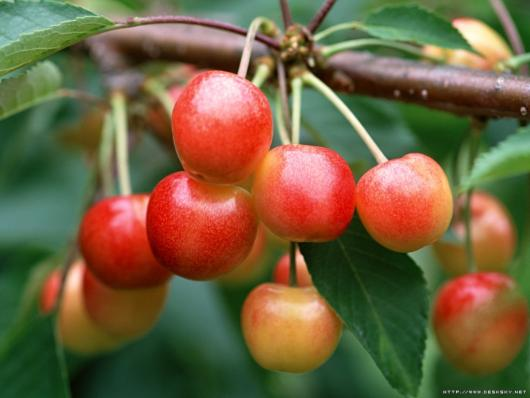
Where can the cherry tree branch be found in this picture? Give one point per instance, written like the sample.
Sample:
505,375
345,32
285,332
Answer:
457,90
314,24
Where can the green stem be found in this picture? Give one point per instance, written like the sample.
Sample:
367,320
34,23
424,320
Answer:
247,49
320,86
160,92
105,155
282,130
515,62
333,49
336,28
296,89
119,112
292,264
263,71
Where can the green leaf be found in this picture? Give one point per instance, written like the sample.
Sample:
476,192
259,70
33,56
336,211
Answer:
413,24
34,86
31,363
381,297
32,30
511,157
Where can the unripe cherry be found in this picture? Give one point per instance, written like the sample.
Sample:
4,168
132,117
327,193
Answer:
200,230
304,193
113,241
222,127
282,271
492,235
289,329
480,321
123,313
405,203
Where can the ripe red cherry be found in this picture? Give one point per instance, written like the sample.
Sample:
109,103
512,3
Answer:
289,329
481,322
199,230
405,203
122,313
304,193
113,241
222,127
492,235
282,271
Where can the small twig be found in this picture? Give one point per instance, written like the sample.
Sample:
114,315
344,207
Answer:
119,113
510,29
320,86
315,22
286,13
186,20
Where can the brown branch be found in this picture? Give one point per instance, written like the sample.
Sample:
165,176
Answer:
457,90
286,13
314,24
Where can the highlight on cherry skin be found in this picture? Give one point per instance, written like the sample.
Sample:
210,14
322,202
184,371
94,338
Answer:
304,193
480,321
124,313
113,241
493,237
482,38
282,271
405,203
289,329
222,127
77,331
199,230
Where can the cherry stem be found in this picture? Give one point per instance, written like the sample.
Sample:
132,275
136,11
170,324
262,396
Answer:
320,86
296,91
119,112
105,155
280,121
317,20
160,92
187,20
509,27
263,72
475,132
517,61
282,87
336,28
286,13
247,49
292,264
333,49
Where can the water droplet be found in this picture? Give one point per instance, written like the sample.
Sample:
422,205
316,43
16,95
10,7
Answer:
498,83
397,93
424,94
524,111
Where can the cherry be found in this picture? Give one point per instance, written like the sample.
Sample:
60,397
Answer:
486,41
114,243
405,203
290,329
253,266
480,321
123,313
222,127
77,331
282,271
492,234
304,193
199,230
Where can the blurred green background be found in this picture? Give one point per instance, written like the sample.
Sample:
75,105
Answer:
197,350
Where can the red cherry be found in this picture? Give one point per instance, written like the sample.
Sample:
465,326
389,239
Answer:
481,321
283,271
405,203
222,127
304,193
114,243
199,230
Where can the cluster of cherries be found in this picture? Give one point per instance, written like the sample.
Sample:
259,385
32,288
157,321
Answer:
201,224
